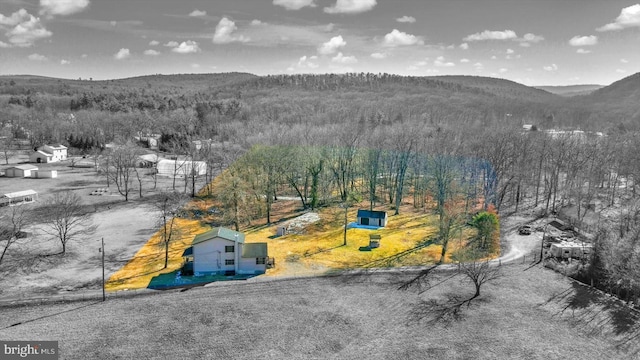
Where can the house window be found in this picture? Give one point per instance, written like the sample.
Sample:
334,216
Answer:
228,249
260,261
229,262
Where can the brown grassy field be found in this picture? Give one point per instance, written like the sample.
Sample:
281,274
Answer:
526,314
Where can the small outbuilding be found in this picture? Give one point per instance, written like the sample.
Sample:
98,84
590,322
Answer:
569,249
372,218
22,171
18,198
374,241
45,174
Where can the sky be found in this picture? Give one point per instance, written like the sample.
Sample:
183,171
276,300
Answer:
533,42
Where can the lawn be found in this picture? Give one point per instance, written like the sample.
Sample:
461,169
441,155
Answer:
519,316
318,249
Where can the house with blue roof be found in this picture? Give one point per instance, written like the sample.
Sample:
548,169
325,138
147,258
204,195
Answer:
224,251
372,218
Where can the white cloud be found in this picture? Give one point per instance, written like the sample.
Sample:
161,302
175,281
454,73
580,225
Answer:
196,13
294,4
552,67
464,60
532,38
491,35
529,38
154,43
307,62
84,56
510,51
122,54
62,7
256,22
37,57
332,45
4,45
113,23
439,61
344,59
224,32
624,61
493,57
195,66
464,46
350,6
15,18
65,62
583,40
629,17
25,28
503,70
378,55
151,52
399,38
186,47
583,51
329,27
172,44
621,71
406,19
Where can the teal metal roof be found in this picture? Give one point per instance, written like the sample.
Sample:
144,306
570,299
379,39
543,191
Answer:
254,250
220,232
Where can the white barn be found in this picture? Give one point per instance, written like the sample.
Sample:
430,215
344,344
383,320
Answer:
224,251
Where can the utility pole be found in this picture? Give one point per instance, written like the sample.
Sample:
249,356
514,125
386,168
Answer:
102,251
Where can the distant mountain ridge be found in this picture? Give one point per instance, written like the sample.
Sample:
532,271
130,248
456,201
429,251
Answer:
571,90
468,100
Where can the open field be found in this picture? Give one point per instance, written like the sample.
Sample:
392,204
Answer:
30,269
529,313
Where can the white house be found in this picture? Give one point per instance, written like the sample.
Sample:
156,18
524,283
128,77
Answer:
49,153
22,171
223,251
372,218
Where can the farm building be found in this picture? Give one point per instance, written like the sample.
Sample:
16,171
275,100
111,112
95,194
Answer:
181,168
223,251
18,198
49,153
372,218
45,174
22,171
568,249
560,225
147,160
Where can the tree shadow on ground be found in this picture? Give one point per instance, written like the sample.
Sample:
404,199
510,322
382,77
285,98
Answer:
451,307
598,314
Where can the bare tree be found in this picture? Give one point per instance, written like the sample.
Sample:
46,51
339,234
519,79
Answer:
65,218
168,204
121,165
12,221
477,271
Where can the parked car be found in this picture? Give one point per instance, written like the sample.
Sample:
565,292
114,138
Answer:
524,230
